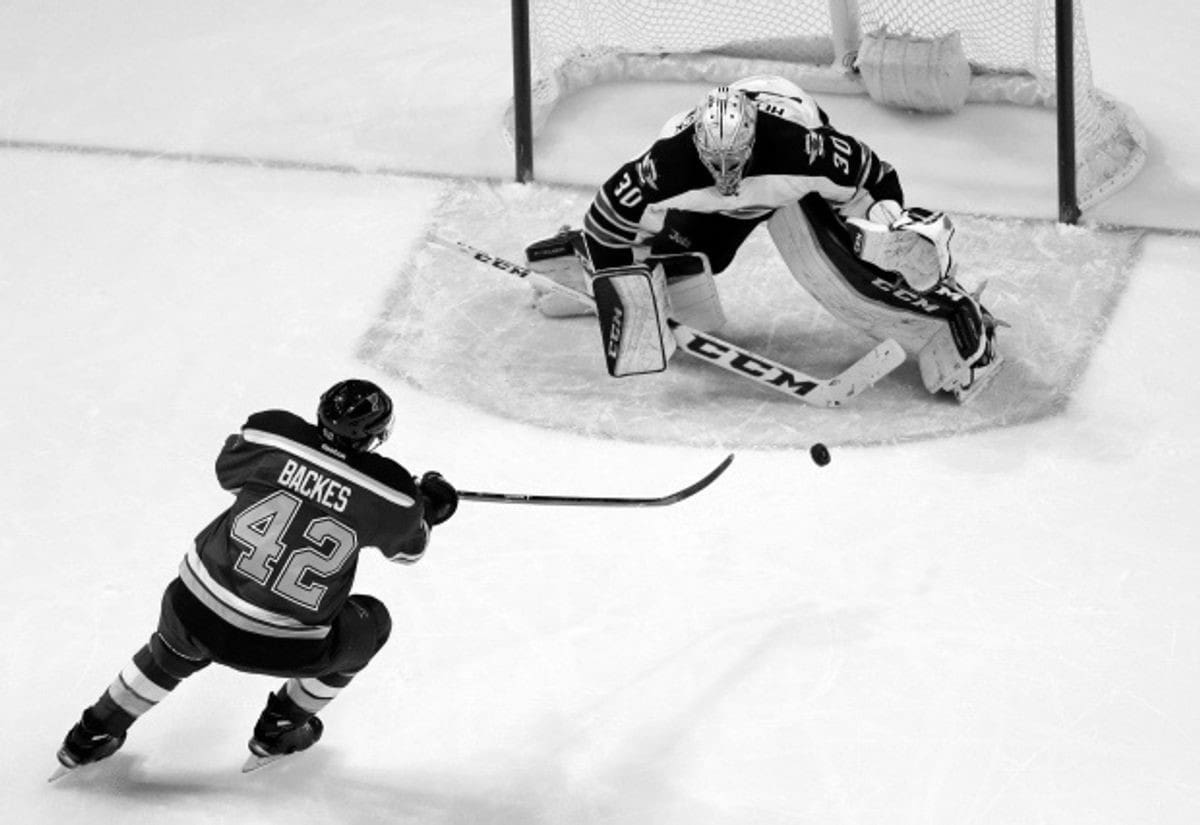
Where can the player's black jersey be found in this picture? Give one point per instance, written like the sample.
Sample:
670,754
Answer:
281,560
796,152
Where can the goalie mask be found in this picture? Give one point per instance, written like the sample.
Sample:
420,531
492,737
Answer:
724,136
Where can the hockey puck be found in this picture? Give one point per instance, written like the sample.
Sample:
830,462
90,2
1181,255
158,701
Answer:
819,453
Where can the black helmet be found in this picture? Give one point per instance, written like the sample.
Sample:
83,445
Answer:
355,415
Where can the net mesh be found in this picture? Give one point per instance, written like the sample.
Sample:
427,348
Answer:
761,28
1010,45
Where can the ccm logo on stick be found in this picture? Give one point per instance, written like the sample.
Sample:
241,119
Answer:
752,367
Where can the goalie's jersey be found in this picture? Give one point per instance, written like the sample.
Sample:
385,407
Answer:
281,560
796,152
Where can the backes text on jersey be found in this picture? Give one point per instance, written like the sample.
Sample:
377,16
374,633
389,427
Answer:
317,486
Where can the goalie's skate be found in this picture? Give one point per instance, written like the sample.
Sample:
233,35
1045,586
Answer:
985,369
980,378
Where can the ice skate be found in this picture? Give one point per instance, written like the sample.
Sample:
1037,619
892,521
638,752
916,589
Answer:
84,745
281,731
981,376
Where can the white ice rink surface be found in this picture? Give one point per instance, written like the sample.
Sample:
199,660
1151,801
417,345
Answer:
999,628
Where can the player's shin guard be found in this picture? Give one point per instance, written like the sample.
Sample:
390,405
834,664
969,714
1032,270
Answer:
632,309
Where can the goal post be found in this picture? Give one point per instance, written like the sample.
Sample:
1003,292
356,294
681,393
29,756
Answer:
1064,56
1024,52
522,110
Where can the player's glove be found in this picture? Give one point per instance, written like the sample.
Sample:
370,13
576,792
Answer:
439,497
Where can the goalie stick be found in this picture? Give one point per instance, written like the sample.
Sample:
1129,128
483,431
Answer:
602,501
819,392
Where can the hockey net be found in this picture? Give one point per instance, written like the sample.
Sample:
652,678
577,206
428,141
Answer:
1009,44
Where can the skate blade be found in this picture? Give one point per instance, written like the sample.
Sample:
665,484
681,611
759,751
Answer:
255,762
980,384
59,772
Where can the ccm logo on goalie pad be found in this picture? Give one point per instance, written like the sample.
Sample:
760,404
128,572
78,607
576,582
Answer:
614,336
773,374
914,299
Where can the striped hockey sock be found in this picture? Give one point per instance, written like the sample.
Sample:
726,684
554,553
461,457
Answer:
155,670
313,694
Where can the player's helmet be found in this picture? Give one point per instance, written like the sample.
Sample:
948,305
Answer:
725,136
355,414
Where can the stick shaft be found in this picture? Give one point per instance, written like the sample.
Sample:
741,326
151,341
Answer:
601,501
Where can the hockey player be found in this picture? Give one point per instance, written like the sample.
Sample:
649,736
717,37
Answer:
266,588
762,151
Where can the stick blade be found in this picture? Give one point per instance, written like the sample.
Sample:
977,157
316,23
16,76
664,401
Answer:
695,487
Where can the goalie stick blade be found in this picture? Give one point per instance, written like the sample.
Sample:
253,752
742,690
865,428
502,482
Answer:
602,501
819,392
861,375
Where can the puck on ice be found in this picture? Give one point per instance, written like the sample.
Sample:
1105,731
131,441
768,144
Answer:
819,453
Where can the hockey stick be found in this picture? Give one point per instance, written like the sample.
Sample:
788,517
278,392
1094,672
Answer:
602,501
819,392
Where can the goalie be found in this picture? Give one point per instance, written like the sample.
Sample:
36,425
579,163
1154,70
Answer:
762,151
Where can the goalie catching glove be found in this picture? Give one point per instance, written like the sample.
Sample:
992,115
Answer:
915,244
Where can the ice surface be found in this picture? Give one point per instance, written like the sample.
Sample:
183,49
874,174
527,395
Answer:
465,331
996,628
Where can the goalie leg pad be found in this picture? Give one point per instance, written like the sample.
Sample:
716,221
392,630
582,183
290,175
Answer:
559,258
631,305
691,291
844,285
950,330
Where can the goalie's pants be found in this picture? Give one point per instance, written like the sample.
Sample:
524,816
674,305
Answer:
717,236
190,637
